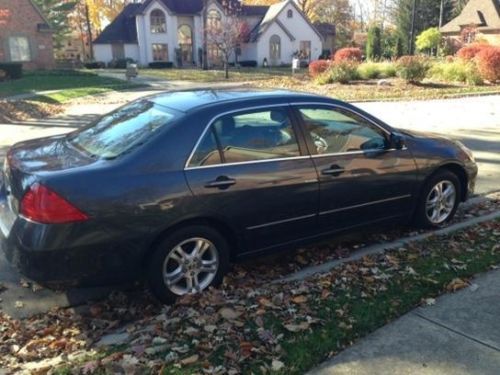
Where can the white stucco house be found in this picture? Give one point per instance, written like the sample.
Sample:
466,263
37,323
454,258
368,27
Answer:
173,31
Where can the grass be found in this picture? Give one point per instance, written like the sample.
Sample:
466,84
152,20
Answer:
358,306
70,85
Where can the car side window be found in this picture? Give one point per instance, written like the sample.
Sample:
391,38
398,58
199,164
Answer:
207,152
248,136
338,131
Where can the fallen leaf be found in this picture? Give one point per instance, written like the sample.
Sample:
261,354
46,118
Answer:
277,365
189,360
456,284
299,299
229,313
297,327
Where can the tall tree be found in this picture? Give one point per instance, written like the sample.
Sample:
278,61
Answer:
56,12
426,15
374,43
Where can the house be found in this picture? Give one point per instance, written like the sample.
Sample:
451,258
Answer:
478,21
25,35
329,33
173,30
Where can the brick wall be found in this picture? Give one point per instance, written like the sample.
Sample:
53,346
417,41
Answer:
18,18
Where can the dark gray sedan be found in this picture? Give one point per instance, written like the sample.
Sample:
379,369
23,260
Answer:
173,187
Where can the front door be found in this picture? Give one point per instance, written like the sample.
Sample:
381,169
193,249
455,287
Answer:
362,180
249,169
185,37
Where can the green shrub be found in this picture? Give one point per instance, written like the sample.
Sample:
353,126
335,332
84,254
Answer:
412,68
373,70
12,70
94,65
455,71
339,72
161,65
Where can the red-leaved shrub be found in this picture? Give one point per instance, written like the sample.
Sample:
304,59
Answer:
318,66
348,54
488,63
470,51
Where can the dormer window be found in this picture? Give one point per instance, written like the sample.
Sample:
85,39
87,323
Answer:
158,22
289,14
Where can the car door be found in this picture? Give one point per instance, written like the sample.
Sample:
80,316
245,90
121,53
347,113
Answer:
251,169
363,179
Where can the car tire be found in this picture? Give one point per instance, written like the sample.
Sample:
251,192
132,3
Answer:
174,268
434,209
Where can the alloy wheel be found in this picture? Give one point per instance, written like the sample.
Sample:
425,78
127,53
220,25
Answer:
441,202
190,266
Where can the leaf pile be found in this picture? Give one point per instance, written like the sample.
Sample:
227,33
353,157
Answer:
20,110
248,324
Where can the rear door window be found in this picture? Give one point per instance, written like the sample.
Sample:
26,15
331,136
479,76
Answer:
248,136
124,129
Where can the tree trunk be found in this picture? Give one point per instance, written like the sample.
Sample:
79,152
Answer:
89,30
226,68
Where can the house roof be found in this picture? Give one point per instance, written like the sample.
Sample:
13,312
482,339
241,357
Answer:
484,14
123,29
326,29
272,16
39,11
176,6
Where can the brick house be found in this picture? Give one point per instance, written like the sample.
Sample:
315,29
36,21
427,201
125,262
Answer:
478,22
25,35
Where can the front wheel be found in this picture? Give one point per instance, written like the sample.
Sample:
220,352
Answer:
188,261
439,200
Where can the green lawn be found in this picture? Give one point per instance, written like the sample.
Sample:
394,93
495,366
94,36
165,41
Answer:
71,83
235,75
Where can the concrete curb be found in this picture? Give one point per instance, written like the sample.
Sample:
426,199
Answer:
380,248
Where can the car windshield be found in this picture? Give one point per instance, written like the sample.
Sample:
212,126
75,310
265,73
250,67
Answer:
122,130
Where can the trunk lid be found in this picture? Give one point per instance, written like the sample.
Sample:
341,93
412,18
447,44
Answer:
30,161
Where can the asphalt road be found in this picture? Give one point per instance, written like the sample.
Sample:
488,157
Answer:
475,121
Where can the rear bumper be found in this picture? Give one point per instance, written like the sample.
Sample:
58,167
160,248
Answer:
51,255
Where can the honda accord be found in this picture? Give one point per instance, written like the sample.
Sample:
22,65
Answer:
172,188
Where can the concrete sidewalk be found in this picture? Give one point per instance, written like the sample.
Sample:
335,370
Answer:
460,334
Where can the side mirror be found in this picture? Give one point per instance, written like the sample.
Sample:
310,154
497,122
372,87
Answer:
397,141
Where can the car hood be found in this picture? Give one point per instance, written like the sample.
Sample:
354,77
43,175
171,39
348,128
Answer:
47,155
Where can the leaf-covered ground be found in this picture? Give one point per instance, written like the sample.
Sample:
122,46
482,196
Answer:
250,324
391,90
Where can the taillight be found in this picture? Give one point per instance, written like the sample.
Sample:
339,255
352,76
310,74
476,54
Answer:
45,206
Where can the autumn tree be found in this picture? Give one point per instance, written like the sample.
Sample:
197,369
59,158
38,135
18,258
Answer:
227,35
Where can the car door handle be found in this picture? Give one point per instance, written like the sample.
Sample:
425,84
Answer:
334,170
222,182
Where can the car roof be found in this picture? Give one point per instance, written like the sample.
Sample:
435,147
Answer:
186,101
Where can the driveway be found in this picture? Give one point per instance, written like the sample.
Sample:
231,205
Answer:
475,121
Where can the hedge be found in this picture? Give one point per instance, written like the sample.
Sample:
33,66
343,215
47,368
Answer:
161,65
12,70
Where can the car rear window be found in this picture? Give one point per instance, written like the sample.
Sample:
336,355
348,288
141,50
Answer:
122,130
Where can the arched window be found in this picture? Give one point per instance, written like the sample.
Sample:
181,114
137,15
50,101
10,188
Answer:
275,48
289,14
214,19
158,22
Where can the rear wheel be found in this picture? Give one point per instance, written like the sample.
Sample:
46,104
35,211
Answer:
439,200
188,261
